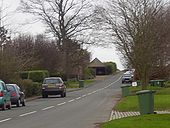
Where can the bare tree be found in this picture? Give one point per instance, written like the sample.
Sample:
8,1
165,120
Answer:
65,19
23,48
48,54
3,30
162,54
131,24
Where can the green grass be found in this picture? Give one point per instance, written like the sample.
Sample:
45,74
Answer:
163,91
162,102
145,121
130,103
75,84
133,90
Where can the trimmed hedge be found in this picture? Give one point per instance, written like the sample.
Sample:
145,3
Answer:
35,75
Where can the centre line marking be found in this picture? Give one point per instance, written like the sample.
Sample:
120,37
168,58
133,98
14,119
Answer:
89,93
94,92
61,104
84,95
48,108
104,87
29,113
71,100
78,98
5,120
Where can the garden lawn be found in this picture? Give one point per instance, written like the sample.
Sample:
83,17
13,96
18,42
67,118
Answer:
144,121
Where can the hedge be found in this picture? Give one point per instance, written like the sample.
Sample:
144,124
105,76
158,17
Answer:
35,75
23,74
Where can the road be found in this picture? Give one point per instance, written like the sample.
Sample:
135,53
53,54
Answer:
80,109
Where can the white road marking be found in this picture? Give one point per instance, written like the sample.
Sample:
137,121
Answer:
48,108
5,120
71,100
89,93
104,87
84,95
78,98
61,104
94,91
29,113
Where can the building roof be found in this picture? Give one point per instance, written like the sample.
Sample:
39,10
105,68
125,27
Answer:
96,63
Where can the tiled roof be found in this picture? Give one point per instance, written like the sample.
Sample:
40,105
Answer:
96,63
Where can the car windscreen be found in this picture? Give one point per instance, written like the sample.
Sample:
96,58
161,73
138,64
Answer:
11,88
52,81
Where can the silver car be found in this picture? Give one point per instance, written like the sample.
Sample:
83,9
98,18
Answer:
17,96
53,86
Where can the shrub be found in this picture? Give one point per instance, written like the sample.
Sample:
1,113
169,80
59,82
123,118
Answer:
35,75
23,74
59,74
110,67
36,88
89,73
30,88
38,75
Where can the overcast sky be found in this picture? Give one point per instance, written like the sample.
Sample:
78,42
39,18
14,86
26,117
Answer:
16,23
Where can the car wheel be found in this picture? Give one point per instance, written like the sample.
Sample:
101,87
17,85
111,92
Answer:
44,95
23,103
64,94
18,103
9,106
3,107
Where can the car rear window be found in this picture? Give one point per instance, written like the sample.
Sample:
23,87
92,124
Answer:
10,88
127,75
52,81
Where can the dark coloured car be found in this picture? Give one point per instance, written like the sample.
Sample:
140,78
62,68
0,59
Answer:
127,78
17,96
53,86
4,96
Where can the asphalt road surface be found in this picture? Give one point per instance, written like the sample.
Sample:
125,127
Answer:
80,109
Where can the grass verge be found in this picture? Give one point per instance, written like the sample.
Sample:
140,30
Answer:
75,84
144,121
130,103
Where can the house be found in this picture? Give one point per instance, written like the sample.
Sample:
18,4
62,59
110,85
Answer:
98,67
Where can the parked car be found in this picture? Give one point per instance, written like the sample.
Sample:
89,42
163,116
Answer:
53,86
127,78
4,96
17,96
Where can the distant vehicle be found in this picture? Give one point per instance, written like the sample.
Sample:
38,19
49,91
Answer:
17,96
131,72
53,86
5,101
127,78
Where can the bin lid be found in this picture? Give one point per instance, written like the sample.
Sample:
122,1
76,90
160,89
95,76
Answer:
145,91
81,80
125,86
160,80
